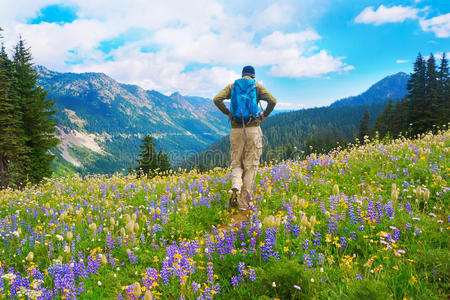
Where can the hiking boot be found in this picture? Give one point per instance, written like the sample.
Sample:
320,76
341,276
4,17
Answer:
234,199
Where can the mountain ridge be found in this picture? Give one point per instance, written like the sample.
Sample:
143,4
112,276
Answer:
378,91
94,109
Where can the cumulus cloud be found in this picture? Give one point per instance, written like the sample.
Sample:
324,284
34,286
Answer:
312,66
178,33
439,25
385,14
402,61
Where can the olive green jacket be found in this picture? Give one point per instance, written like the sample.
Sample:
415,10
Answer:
261,94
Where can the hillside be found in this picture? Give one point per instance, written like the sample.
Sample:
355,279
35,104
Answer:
391,87
370,221
101,122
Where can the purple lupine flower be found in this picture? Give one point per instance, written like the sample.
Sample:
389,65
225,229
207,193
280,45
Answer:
234,281
389,210
371,211
210,270
396,236
150,277
241,269
408,226
267,250
307,260
313,255
351,213
133,258
296,230
332,224
252,274
408,208
305,245
360,217
195,286
316,240
165,272
379,211
321,259
343,242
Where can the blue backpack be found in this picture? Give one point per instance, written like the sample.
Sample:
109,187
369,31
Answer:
244,105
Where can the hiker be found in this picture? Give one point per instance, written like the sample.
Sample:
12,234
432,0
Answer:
245,135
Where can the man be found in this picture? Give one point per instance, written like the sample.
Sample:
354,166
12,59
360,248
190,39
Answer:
245,141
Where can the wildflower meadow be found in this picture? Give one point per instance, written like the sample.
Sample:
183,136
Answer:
366,221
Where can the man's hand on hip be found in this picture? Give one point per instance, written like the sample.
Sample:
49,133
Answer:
263,117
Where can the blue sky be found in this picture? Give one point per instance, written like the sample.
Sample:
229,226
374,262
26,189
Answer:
307,53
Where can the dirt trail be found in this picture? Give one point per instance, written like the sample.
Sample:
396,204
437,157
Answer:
236,218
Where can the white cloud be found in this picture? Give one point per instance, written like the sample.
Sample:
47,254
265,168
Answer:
274,15
402,61
279,40
313,66
439,25
205,33
386,14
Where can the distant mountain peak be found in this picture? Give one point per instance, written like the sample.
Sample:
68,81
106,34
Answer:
390,87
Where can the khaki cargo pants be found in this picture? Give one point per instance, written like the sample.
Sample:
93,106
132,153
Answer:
244,161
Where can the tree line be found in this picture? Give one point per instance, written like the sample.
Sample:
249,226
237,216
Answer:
294,135
27,127
426,106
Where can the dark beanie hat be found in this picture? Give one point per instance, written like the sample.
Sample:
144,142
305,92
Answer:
248,71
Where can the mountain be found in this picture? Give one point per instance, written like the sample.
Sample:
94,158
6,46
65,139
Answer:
391,87
297,133
101,122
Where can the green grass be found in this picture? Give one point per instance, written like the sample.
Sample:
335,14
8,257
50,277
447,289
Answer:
385,248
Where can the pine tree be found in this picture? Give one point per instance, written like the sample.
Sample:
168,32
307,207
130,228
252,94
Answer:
416,94
364,126
444,99
38,124
11,139
147,159
432,96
